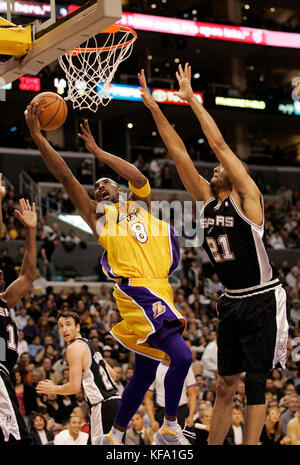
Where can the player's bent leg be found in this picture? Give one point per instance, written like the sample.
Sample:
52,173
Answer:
144,374
222,411
255,388
181,359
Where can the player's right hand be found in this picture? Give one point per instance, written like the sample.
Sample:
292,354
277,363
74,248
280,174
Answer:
32,118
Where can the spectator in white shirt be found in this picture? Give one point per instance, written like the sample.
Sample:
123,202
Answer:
295,312
40,284
276,241
291,277
22,318
210,358
22,344
72,436
213,284
187,404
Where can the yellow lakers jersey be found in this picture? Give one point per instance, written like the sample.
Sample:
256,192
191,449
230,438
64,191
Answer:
137,244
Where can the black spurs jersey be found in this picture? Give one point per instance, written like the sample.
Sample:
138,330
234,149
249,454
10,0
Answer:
8,340
235,245
96,381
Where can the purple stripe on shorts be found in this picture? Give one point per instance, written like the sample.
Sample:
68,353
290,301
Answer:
105,264
174,243
146,299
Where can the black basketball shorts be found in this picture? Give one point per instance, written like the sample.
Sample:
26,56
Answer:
253,330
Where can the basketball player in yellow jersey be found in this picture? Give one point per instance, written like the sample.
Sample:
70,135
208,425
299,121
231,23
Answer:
140,253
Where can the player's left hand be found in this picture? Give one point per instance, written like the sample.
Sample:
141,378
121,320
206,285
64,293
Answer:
184,80
45,387
26,214
87,137
189,422
145,94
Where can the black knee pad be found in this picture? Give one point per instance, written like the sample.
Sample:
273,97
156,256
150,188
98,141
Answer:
255,388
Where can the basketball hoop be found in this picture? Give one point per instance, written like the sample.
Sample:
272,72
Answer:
90,69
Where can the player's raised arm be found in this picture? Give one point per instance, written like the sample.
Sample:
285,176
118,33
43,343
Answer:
195,184
234,168
60,170
138,183
23,283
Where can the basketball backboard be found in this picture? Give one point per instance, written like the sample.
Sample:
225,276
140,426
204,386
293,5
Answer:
54,38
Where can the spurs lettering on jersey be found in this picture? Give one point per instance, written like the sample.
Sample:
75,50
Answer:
219,220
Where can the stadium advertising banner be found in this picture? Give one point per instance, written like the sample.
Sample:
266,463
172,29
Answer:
210,31
169,96
240,103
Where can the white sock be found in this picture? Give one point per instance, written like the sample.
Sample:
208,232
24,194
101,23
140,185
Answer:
117,435
172,425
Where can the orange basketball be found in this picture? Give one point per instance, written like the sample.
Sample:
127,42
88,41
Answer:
55,110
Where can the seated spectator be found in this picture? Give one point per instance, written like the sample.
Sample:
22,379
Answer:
138,434
271,434
21,318
51,353
293,430
70,241
83,413
235,434
119,378
73,436
295,312
48,372
293,406
35,347
201,426
39,433
25,367
293,375
276,241
57,410
40,284
22,344
30,330
25,394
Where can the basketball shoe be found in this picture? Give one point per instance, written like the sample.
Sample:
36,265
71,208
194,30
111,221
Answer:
165,436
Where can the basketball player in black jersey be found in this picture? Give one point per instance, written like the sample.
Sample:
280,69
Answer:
12,426
253,328
89,370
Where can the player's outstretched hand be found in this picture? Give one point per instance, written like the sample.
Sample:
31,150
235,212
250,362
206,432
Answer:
148,100
32,118
45,387
2,188
26,214
87,137
184,80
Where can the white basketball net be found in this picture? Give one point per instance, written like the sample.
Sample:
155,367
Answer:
91,68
